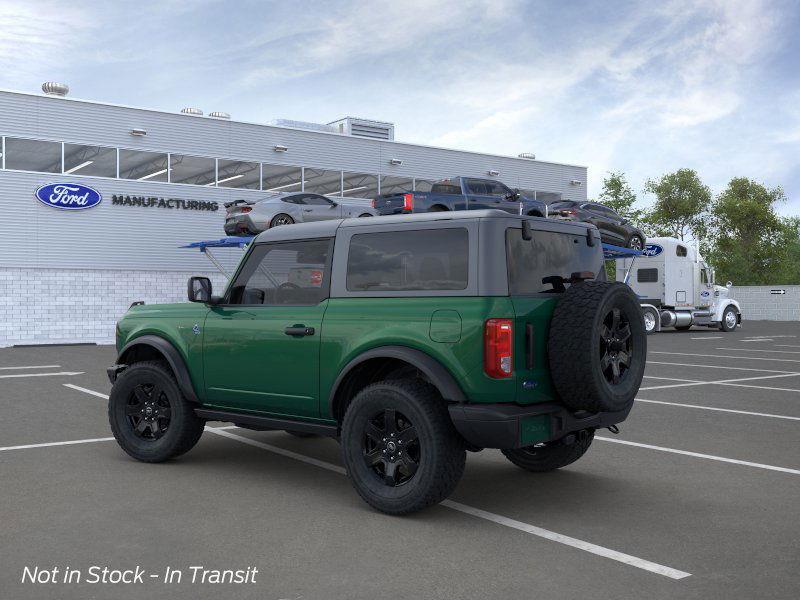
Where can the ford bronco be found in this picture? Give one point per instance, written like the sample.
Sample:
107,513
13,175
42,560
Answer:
411,339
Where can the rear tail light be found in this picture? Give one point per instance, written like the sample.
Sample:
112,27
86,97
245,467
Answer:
498,348
408,202
246,209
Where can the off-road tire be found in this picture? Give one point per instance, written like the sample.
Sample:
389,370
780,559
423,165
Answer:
576,347
281,219
441,455
550,456
184,427
723,326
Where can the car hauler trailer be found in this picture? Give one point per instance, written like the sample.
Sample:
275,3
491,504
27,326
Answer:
676,288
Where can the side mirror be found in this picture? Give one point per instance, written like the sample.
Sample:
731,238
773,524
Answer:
334,204
729,285
199,289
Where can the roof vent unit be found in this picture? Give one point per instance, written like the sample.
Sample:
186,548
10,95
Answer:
51,88
219,115
527,155
376,130
303,125
192,111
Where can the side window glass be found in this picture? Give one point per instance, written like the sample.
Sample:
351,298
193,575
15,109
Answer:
476,186
681,251
293,273
315,200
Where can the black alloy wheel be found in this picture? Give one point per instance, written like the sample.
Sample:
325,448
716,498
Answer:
282,219
615,346
391,447
148,411
635,243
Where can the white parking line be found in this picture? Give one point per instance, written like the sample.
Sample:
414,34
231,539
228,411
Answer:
759,340
67,373
727,410
49,444
31,367
758,350
725,356
708,337
719,381
699,455
82,389
787,346
482,514
656,362
668,379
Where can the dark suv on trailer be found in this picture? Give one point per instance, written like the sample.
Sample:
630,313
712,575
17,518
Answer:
411,339
614,229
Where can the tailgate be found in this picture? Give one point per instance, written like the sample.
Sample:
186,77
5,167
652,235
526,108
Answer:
391,204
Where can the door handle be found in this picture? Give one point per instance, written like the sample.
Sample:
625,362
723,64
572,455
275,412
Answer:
299,330
307,209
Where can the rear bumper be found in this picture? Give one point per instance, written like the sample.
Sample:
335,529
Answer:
508,426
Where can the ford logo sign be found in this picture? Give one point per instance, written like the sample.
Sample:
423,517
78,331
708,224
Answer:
705,294
68,196
652,250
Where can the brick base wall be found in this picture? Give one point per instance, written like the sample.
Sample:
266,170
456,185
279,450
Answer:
51,306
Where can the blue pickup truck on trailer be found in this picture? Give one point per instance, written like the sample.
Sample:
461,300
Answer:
461,193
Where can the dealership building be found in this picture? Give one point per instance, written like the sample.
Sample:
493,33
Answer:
162,179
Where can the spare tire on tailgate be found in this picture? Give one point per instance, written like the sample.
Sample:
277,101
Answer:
597,346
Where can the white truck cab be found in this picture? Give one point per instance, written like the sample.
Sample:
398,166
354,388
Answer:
676,288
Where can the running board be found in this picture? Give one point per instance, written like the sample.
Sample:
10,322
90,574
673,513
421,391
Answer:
261,423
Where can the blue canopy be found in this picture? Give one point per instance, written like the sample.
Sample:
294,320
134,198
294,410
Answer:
226,242
611,252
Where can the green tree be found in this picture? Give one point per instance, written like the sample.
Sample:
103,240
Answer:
750,242
618,195
681,205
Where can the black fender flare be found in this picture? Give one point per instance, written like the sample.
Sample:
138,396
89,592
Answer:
438,375
173,357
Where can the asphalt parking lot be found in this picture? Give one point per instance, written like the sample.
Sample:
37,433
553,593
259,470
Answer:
697,497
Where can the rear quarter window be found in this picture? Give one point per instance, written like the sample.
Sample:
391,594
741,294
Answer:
432,259
548,254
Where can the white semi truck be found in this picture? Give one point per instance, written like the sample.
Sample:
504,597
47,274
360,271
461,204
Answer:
676,288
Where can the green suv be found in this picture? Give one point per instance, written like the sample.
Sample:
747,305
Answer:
411,339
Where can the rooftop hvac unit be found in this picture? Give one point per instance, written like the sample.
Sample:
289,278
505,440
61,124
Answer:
303,125
377,130
219,115
192,111
51,88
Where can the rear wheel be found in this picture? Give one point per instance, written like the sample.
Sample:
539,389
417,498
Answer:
729,320
551,455
281,219
400,448
150,418
438,208
651,317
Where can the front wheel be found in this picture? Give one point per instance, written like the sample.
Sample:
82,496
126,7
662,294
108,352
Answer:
551,455
635,243
400,448
150,418
651,317
729,320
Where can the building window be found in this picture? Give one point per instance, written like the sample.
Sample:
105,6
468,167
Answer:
423,185
97,161
396,185
320,181
194,170
359,185
280,178
237,174
143,166
33,155
433,259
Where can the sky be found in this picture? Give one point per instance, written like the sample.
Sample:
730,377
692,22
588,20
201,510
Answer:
639,87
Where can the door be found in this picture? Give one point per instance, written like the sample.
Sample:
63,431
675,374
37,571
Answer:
507,200
261,347
706,288
601,217
479,195
319,208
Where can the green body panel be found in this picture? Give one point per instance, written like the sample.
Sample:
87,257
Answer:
354,325
250,363
533,385
242,359
534,429
175,323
